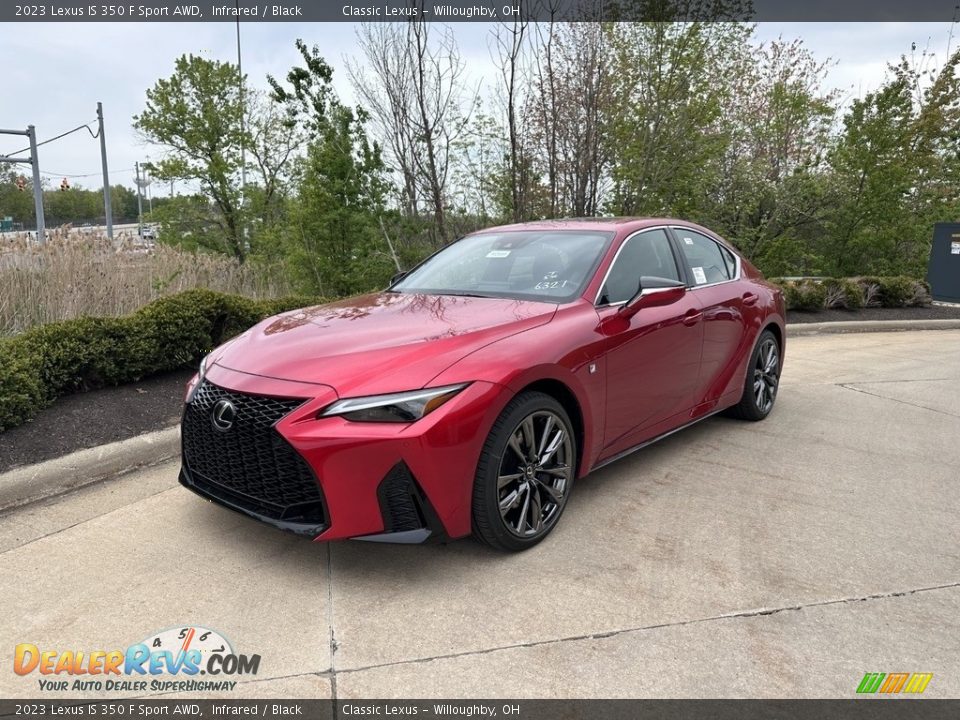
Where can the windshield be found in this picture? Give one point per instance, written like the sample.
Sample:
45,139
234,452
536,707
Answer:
551,266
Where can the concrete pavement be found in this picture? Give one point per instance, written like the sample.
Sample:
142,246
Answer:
785,558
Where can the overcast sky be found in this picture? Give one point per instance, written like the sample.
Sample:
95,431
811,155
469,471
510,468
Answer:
54,73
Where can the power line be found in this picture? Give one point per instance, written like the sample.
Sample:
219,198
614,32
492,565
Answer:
54,173
81,175
61,135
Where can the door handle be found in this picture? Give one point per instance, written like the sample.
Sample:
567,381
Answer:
750,298
692,317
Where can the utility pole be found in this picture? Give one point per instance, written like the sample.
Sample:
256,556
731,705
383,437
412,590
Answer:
30,132
139,202
107,201
37,189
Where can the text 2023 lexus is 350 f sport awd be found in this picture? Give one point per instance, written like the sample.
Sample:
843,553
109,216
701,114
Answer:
474,392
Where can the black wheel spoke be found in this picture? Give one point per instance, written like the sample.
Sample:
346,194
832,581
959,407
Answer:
534,475
766,376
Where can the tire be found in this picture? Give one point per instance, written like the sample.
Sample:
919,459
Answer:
532,486
762,382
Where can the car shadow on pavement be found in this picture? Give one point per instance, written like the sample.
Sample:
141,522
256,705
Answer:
433,562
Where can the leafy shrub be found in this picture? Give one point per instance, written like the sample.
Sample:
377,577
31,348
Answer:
842,294
854,293
51,360
805,295
895,292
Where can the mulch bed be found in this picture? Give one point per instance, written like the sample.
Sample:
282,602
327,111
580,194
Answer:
934,312
89,419
94,418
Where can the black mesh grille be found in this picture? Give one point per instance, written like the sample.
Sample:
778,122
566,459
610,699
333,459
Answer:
249,465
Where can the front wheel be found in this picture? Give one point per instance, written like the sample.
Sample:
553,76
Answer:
762,382
525,473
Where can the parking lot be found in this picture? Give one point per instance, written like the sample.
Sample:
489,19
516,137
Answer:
779,559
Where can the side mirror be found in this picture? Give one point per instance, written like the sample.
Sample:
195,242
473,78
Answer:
398,277
653,292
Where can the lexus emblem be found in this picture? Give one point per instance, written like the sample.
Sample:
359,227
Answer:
224,415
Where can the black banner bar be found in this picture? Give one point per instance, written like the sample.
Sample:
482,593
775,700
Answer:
854,709
477,10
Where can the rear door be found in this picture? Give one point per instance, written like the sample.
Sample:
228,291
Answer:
714,272
653,362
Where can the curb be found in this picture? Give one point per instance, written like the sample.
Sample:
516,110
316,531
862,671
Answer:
69,472
862,326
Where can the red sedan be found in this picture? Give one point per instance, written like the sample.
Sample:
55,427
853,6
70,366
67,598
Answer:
470,395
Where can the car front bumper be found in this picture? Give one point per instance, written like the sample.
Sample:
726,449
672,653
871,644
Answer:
374,481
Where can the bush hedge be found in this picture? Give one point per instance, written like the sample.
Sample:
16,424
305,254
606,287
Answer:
41,364
811,295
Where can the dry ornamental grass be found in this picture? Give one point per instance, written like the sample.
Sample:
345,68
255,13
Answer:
85,274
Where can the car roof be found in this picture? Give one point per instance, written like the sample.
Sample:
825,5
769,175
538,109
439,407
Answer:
611,224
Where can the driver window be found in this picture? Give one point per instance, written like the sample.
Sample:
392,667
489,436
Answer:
645,255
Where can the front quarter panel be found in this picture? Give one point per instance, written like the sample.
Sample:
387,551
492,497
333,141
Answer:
567,350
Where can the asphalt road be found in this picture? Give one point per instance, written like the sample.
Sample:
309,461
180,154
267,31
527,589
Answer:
785,558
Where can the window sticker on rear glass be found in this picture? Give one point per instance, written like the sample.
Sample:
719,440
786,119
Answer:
699,275
688,241
498,254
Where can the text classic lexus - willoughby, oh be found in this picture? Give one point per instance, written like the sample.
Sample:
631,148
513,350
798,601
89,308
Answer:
471,394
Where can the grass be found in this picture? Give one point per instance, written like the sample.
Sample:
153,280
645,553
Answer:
77,274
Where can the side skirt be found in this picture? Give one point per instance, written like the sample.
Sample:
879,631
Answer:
651,441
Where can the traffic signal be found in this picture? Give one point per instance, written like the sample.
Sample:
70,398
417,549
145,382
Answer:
21,183
64,185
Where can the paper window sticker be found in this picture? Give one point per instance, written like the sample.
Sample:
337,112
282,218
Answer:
699,275
688,241
498,254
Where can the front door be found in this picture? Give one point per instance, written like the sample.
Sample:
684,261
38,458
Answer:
653,361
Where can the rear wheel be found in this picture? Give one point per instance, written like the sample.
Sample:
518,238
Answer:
762,382
525,473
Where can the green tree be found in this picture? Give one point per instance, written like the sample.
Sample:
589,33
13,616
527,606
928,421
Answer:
196,115
16,203
897,171
772,189
670,83
123,202
333,243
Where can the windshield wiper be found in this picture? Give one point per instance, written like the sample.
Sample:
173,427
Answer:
465,294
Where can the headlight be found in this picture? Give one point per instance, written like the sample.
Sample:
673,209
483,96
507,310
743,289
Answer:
405,407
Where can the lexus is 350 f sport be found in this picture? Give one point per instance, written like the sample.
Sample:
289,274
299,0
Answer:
476,391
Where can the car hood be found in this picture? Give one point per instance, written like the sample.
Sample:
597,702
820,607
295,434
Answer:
377,343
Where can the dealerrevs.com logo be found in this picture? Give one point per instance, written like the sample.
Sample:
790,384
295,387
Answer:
171,660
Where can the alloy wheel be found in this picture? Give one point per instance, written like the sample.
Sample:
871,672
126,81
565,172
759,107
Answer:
534,475
766,375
